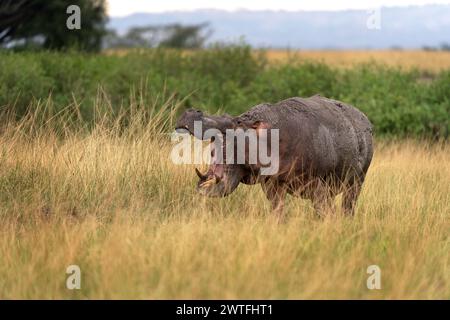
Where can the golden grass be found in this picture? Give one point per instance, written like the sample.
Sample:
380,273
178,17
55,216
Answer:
114,204
432,61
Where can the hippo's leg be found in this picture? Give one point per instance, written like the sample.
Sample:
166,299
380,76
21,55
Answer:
275,193
351,194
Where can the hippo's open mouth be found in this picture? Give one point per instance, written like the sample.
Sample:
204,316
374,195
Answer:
214,175
214,181
220,179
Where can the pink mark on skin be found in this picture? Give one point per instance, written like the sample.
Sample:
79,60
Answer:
215,168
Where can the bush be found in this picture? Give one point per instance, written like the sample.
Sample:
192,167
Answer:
231,79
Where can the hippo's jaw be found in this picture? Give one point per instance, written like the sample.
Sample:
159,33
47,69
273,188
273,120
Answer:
219,181
190,118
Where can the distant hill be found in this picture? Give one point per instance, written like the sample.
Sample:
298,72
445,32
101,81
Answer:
405,27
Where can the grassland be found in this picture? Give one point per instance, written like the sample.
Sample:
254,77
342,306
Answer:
431,61
86,178
107,198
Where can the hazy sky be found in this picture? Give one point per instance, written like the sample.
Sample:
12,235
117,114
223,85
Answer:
125,7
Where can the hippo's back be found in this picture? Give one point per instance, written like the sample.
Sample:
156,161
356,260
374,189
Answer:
330,134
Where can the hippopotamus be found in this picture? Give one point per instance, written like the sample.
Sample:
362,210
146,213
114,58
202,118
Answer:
324,148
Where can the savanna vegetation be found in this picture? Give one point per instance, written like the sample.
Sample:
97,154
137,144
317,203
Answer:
428,62
110,200
86,179
403,103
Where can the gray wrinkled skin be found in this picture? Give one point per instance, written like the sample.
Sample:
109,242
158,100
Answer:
325,149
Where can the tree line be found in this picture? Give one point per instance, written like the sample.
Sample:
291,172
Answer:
42,24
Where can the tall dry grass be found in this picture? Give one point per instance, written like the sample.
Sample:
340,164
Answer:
109,200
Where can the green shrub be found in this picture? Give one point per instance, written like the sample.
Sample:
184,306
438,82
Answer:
230,79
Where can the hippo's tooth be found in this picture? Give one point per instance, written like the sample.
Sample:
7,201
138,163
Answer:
209,182
199,174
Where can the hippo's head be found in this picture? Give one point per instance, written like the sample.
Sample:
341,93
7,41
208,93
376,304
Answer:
222,177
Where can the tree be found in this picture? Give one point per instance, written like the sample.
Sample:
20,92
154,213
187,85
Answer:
170,36
445,46
184,36
43,23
